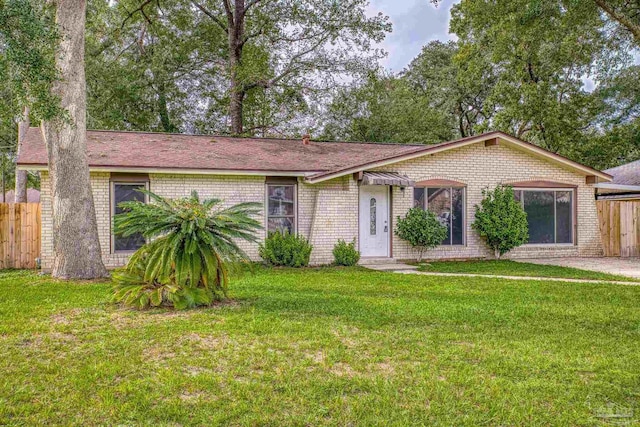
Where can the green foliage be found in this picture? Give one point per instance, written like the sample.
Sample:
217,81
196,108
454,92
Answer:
346,253
421,229
501,221
286,249
192,245
28,39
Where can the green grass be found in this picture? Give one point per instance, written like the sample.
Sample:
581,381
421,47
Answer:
513,268
322,347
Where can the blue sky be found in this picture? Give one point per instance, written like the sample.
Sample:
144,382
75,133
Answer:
415,23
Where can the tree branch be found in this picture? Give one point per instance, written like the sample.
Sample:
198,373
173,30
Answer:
210,15
139,9
620,18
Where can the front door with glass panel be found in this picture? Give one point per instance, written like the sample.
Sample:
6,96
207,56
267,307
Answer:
374,220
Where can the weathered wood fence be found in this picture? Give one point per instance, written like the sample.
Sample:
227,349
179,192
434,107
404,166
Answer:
19,235
619,222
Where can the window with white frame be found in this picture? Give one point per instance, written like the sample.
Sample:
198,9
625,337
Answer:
126,192
550,214
281,208
448,205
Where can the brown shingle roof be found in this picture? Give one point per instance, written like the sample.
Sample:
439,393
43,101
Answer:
146,150
628,174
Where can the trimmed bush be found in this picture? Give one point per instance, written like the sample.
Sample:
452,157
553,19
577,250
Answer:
346,253
421,229
501,221
286,249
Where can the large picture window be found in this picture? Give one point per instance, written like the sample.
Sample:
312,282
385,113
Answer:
448,205
549,214
281,208
126,192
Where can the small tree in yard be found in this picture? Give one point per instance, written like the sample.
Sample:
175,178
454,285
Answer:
192,244
421,229
501,221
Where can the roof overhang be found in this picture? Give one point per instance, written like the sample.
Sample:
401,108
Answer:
490,139
180,171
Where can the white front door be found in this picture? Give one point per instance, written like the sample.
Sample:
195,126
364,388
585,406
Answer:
374,220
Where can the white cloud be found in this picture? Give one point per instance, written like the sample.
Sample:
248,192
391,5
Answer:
415,23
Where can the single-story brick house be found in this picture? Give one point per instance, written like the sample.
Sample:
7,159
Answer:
327,191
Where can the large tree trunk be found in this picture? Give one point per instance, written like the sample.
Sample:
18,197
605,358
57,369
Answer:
76,247
20,195
235,20
236,108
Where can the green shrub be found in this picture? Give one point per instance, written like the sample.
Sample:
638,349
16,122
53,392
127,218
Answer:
346,253
192,245
421,229
286,249
501,221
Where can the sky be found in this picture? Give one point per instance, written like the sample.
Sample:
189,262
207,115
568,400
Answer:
415,23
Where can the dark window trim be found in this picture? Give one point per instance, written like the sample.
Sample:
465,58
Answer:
464,208
574,213
540,184
120,177
279,182
112,210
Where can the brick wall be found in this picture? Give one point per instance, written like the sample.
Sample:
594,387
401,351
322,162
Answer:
231,189
481,167
328,212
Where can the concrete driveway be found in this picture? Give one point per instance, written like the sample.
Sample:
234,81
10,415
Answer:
623,266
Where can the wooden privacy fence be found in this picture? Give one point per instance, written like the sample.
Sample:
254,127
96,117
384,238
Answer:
19,235
619,222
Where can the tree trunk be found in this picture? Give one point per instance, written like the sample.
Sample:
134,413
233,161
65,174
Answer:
237,92
496,252
76,248
163,110
236,108
20,195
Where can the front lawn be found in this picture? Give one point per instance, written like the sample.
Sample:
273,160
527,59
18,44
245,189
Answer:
322,347
513,268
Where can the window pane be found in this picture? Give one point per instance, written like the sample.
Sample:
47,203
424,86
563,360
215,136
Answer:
280,224
418,197
372,216
539,208
127,193
281,200
457,216
564,217
439,202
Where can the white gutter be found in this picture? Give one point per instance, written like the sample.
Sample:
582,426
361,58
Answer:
612,186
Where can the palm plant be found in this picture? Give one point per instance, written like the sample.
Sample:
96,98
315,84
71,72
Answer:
191,245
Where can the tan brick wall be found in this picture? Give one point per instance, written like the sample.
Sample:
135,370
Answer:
481,167
329,211
231,189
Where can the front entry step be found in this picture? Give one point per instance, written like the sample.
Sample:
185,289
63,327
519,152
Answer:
377,261
397,267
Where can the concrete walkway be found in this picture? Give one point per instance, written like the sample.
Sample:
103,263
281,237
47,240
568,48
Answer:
621,266
412,269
